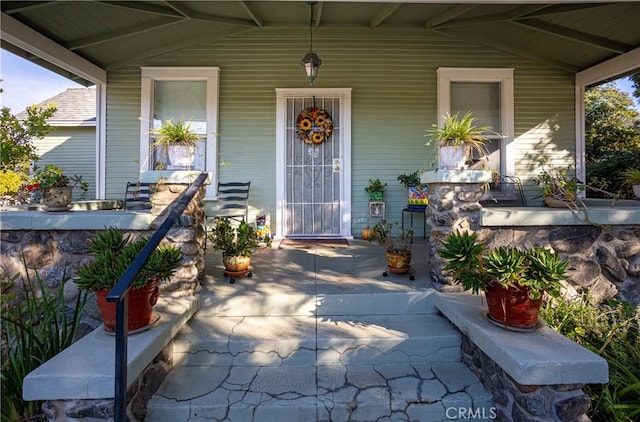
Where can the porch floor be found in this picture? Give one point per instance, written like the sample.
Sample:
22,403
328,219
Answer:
318,335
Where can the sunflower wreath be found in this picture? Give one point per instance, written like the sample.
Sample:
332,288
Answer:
314,125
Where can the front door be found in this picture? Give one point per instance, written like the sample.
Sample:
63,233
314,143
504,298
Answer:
314,175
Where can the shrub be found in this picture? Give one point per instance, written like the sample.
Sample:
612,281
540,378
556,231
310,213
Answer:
611,330
36,326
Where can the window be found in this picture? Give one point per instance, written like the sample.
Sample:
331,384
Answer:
174,93
488,93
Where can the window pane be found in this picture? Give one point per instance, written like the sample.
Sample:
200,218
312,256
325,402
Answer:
184,100
483,99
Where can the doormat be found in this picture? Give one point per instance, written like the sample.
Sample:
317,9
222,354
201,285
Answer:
313,244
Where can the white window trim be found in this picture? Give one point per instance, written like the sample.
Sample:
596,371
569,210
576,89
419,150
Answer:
503,76
208,74
621,65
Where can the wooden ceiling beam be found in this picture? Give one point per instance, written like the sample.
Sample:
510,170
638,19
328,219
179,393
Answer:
386,11
121,33
447,16
573,35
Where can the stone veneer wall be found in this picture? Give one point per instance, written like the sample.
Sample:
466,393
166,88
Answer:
138,395
604,261
516,402
56,254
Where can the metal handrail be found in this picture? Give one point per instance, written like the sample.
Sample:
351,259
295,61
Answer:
120,294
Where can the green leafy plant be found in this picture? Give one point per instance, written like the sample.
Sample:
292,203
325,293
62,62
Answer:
612,330
113,252
460,131
409,180
400,243
375,185
241,240
631,177
36,326
475,267
175,133
52,176
559,184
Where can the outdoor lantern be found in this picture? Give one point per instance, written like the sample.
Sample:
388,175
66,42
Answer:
311,62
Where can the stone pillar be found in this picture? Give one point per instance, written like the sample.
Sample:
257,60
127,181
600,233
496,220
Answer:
187,234
454,200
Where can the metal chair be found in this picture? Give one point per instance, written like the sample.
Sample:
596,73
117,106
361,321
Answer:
511,187
233,203
233,200
137,196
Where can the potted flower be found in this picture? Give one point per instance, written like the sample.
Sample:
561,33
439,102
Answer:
417,193
398,248
631,178
514,280
559,189
237,245
113,252
179,140
457,139
375,189
56,187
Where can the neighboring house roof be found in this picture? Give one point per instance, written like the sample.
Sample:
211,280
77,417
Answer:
76,107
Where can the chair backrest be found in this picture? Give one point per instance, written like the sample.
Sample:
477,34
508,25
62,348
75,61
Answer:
233,200
137,196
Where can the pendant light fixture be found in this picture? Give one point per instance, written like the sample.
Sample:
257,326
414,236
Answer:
311,62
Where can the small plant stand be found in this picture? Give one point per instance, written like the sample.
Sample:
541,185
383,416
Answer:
406,271
376,210
236,274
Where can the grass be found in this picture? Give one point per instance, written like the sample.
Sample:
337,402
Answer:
36,325
612,330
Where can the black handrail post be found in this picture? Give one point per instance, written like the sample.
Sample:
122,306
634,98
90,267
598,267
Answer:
120,294
122,324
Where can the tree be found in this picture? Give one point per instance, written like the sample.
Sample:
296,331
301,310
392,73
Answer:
612,137
17,138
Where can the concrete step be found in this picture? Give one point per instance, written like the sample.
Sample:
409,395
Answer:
295,357
300,340
400,392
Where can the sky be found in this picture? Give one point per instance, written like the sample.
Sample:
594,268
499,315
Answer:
24,83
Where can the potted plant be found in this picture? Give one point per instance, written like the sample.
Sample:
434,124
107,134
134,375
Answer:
375,189
56,187
631,178
514,280
398,248
457,139
559,189
113,252
417,193
179,140
237,245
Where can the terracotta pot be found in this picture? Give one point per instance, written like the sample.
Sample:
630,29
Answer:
512,307
236,265
557,203
56,198
141,302
398,263
367,233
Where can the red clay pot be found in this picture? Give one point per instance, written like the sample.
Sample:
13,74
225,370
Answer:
141,302
512,307
398,263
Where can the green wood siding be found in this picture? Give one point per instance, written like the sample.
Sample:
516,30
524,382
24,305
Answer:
394,100
74,150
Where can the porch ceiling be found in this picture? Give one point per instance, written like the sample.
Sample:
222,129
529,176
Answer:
569,35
